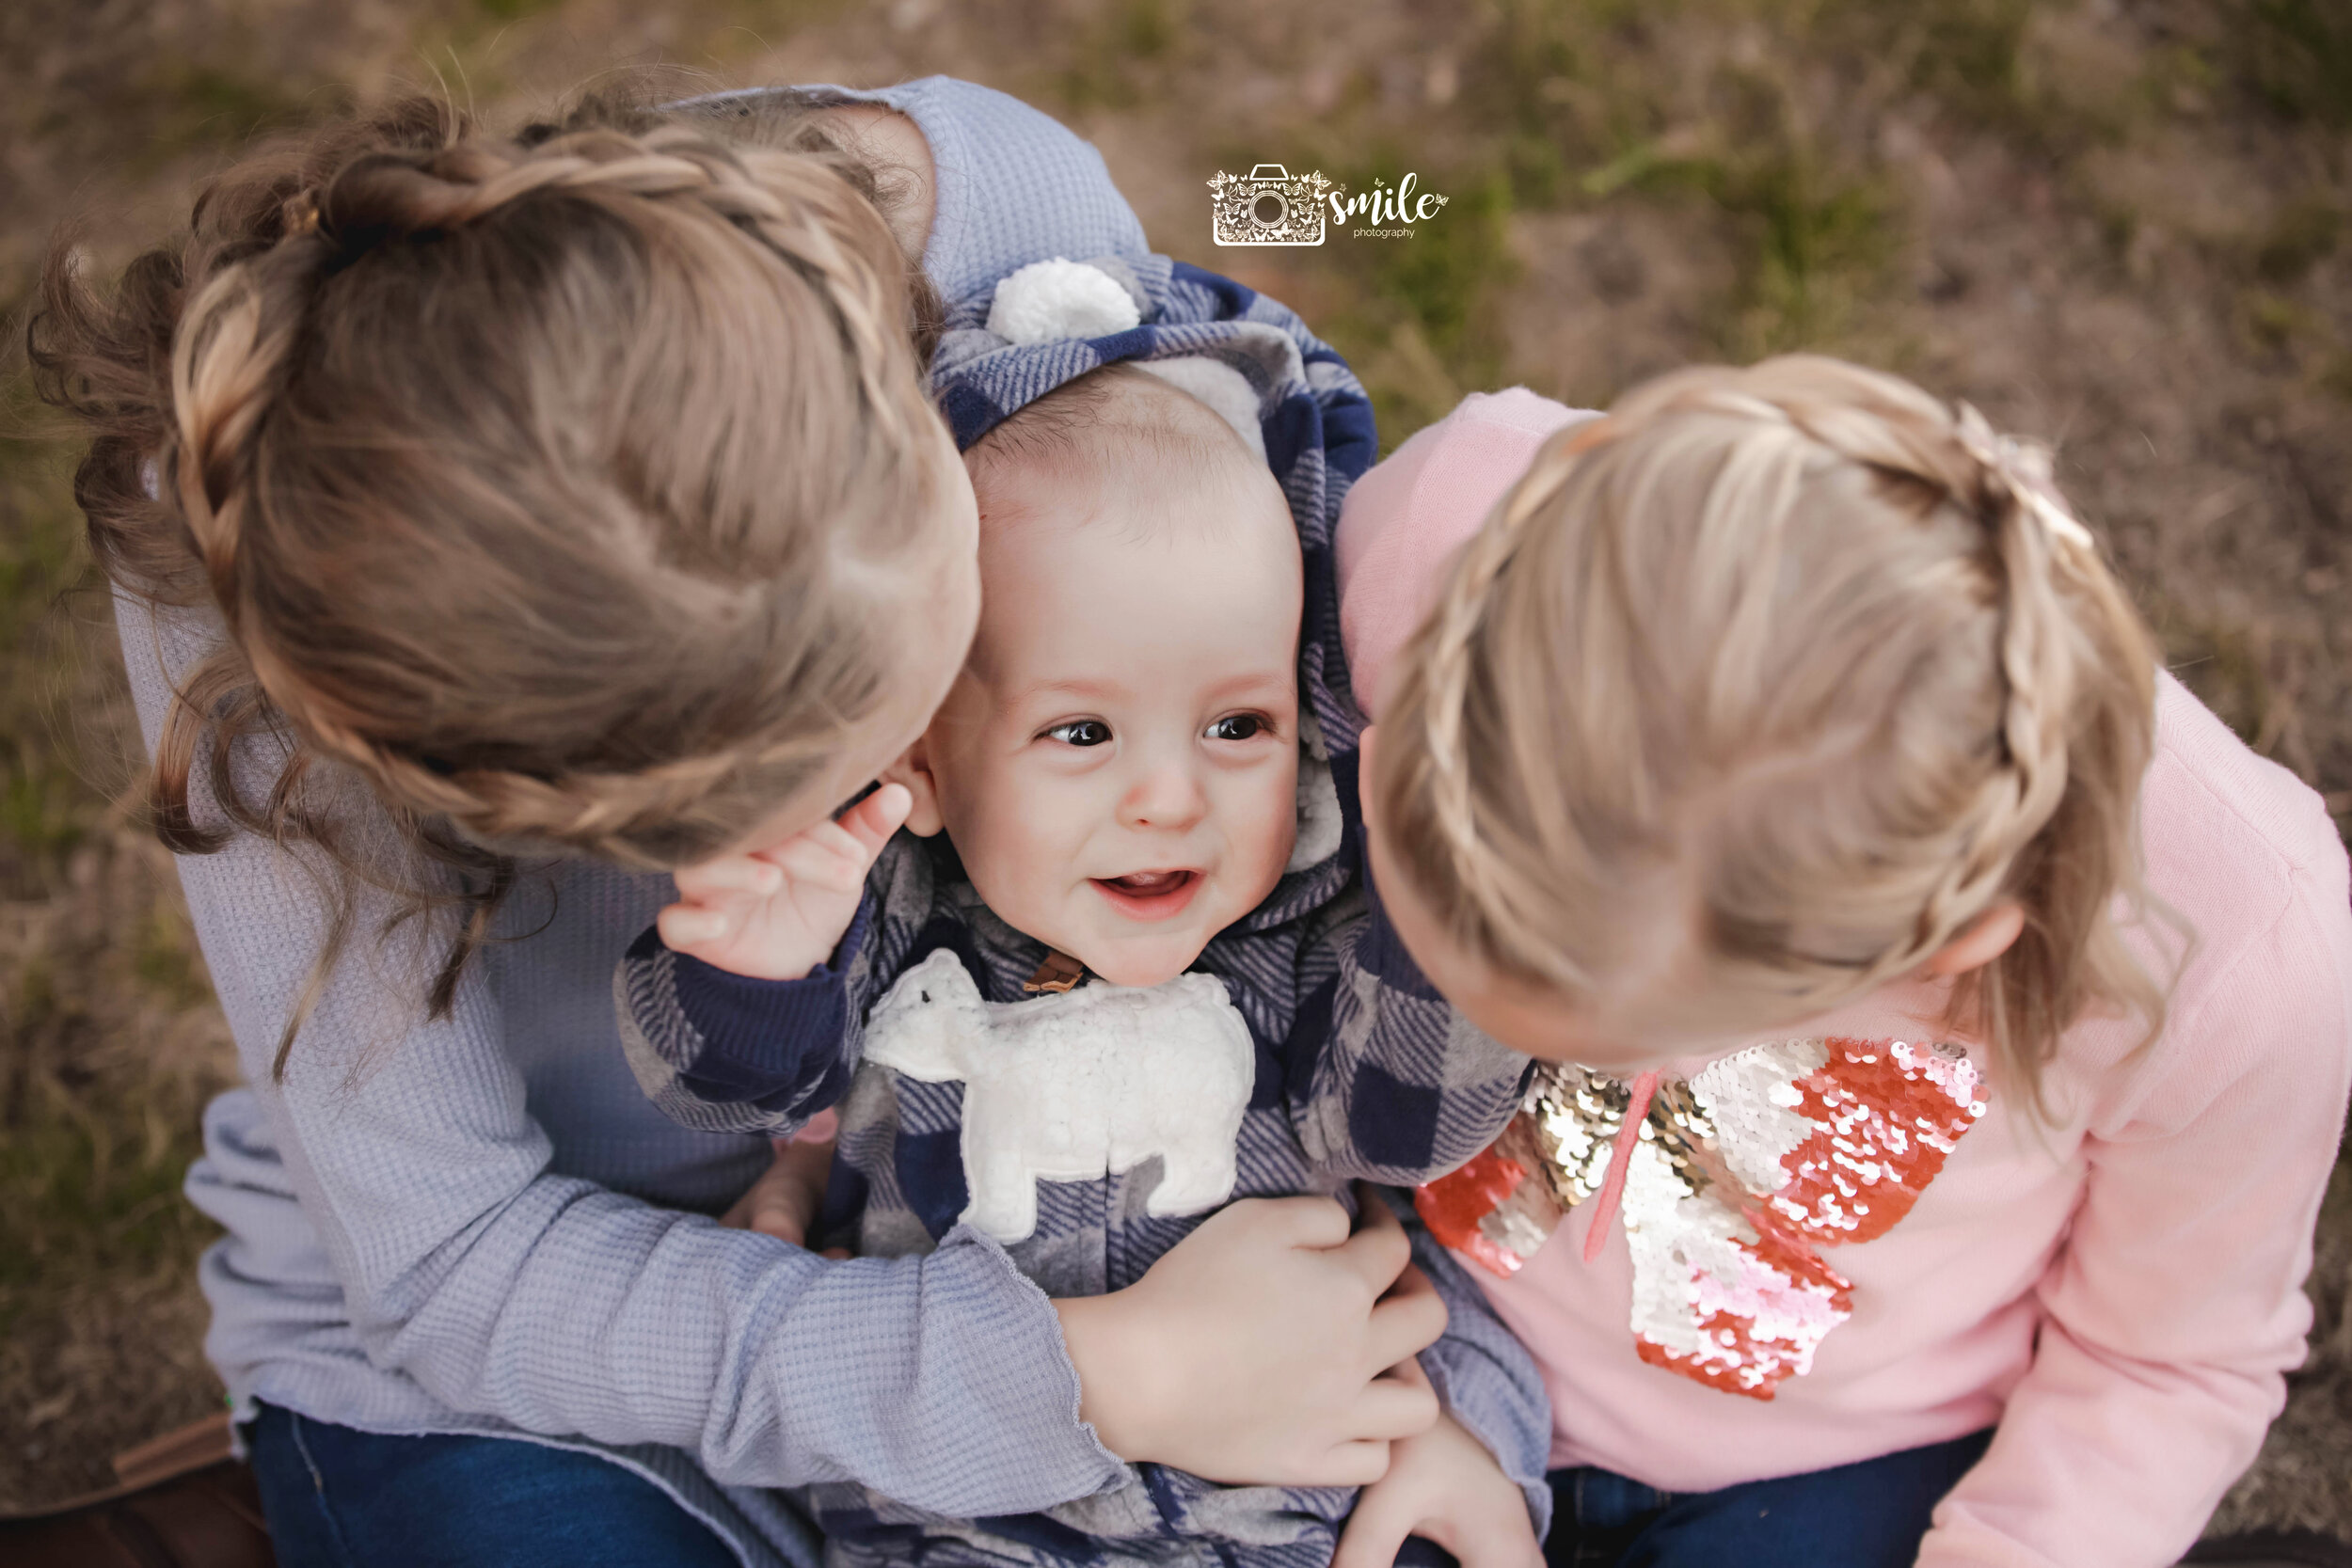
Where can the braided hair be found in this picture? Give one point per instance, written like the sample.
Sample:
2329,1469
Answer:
561,490
1773,681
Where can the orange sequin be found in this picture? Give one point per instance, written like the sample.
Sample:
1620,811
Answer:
1741,1173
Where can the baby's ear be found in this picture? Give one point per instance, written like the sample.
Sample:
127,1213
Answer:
913,770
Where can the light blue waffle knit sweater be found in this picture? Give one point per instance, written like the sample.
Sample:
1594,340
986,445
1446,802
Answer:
475,1225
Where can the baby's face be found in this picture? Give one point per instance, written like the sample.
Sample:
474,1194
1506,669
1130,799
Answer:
1117,765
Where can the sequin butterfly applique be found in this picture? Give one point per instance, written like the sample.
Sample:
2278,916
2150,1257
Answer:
1734,1182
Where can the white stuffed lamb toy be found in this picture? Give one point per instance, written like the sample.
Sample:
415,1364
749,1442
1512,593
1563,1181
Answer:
1075,1086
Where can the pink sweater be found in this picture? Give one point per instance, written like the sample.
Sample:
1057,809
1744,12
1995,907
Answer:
2120,1291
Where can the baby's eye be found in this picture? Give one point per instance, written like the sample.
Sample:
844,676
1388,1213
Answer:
1081,731
1239,726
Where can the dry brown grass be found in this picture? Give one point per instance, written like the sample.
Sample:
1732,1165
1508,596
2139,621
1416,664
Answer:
2118,223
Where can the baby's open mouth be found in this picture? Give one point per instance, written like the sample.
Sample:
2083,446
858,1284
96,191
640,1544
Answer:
1149,894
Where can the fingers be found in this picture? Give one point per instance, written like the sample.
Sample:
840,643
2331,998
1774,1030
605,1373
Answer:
1407,1321
712,898
784,1201
849,844
808,1162
1391,1408
1358,1463
774,1216
1409,1281
1378,1250
835,855
1409,1372
825,856
686,927
1305,1222
745,874
1503,1537
1376,1532
872,820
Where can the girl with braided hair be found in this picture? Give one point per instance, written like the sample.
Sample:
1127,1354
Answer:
1945,1018
495,524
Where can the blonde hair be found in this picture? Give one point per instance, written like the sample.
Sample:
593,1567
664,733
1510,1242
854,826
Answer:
560,488
1793,672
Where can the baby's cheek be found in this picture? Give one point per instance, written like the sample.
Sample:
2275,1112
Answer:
1267,824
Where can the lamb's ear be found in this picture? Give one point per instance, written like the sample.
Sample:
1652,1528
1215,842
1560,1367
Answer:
913,770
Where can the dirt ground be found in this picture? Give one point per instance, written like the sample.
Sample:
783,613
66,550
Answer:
2118,225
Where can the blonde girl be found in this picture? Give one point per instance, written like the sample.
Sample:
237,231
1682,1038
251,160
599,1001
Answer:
496,522
1948,1014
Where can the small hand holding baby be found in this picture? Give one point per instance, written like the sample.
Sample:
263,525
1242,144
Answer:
1442,1485
783,1202
777,912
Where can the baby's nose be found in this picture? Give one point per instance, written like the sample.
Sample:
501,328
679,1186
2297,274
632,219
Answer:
1165,796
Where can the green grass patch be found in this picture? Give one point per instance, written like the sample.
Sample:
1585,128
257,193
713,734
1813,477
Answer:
164,957
1813,241
1419,317
1561,86
191,105
92,1160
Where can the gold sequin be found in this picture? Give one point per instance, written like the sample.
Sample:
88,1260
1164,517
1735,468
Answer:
1739,1175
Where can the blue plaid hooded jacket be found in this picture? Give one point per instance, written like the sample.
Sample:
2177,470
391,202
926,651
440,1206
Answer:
1361,1069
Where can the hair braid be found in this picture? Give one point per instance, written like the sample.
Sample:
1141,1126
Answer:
1445,652
346,413
1795,671
1998,484
229,363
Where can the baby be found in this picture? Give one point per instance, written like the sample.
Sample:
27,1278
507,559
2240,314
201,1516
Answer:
1106,818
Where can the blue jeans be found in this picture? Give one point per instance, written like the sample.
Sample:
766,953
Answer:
341,1499
1864,1515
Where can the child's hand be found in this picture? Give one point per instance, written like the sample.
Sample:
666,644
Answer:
776,914
785,1200
1443,1486
1258,1351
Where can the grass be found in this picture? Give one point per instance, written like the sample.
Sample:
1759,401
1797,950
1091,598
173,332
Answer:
2300,235
1758,146
1812,242
1427,306
1119,54
108,1046
2296,58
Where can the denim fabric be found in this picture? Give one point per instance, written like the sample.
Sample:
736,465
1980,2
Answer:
338,1497
1867,1516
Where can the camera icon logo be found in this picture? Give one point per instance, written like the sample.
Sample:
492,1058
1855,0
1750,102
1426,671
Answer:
1268,207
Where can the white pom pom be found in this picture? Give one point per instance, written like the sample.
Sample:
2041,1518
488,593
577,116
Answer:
1046,300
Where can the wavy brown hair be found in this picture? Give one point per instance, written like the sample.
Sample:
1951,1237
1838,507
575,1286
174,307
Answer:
562,488
1799,660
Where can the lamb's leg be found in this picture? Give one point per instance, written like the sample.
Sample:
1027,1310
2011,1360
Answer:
1004,1193
1197,1172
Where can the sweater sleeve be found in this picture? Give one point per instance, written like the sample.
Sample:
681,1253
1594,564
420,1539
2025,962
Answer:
2174,1310
503,1289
